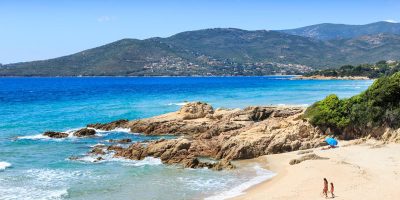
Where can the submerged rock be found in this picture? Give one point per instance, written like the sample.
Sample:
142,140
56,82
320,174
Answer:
123,141
97,151
54,134
85,132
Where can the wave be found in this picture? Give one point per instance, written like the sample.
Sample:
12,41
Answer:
39,184
145,161
177,104
4,165
71,132
100,132
33,137
97,145
262,175
109,157
31,193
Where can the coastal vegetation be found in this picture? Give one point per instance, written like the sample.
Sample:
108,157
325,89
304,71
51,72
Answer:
378,106
379,69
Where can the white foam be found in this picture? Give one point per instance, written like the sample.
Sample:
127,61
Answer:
177,104
97,145
44,184
118,129
145,161
4,165
262,175
126,130
109,157
52,177
70,133
28,193
33,137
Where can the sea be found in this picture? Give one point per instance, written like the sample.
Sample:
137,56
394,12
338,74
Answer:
36,167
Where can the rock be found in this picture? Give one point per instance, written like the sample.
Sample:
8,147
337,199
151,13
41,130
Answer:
85,132
98,159
195,110
222,134
311,156
223,164
122,123
114,148
123,141
98,151
73,158
253,113
287,112
304,152
53,134
182,144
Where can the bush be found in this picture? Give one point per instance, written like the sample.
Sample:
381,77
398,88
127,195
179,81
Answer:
378,105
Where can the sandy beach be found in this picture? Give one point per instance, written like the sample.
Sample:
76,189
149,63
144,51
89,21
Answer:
365,171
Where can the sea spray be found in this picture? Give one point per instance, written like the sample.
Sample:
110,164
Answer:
4,165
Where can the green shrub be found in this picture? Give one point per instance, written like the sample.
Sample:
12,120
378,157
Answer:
378,105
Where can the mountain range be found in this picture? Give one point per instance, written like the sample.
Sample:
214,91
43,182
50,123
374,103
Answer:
227,52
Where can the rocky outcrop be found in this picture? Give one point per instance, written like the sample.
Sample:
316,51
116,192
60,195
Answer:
170,152
85,132
54,134
221,134
110,126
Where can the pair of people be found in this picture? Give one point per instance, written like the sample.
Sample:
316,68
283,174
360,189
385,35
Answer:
325,190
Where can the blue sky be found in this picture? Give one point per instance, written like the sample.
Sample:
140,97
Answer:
41,29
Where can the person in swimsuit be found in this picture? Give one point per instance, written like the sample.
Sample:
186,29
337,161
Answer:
332,190
325,190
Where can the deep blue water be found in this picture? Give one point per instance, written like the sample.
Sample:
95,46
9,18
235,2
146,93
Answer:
40,168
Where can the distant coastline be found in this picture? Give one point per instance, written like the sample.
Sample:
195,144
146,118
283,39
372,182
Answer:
319,77
200,76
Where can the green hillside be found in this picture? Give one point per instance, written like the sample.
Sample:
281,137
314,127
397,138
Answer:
221,51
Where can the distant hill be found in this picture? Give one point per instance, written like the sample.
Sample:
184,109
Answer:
327,31
219,51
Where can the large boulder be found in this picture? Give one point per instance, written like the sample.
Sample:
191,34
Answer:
195,110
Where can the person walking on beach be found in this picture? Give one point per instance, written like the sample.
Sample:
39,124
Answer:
325,190
332,190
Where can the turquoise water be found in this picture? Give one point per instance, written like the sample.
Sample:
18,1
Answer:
40,168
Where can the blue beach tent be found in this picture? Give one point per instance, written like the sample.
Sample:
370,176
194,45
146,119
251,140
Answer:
331,141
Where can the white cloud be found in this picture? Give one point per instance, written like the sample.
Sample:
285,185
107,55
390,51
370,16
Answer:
105,18
391,21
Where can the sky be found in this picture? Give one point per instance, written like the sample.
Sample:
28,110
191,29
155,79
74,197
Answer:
42,29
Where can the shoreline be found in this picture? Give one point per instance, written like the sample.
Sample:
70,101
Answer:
355,169
319,77
194,76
